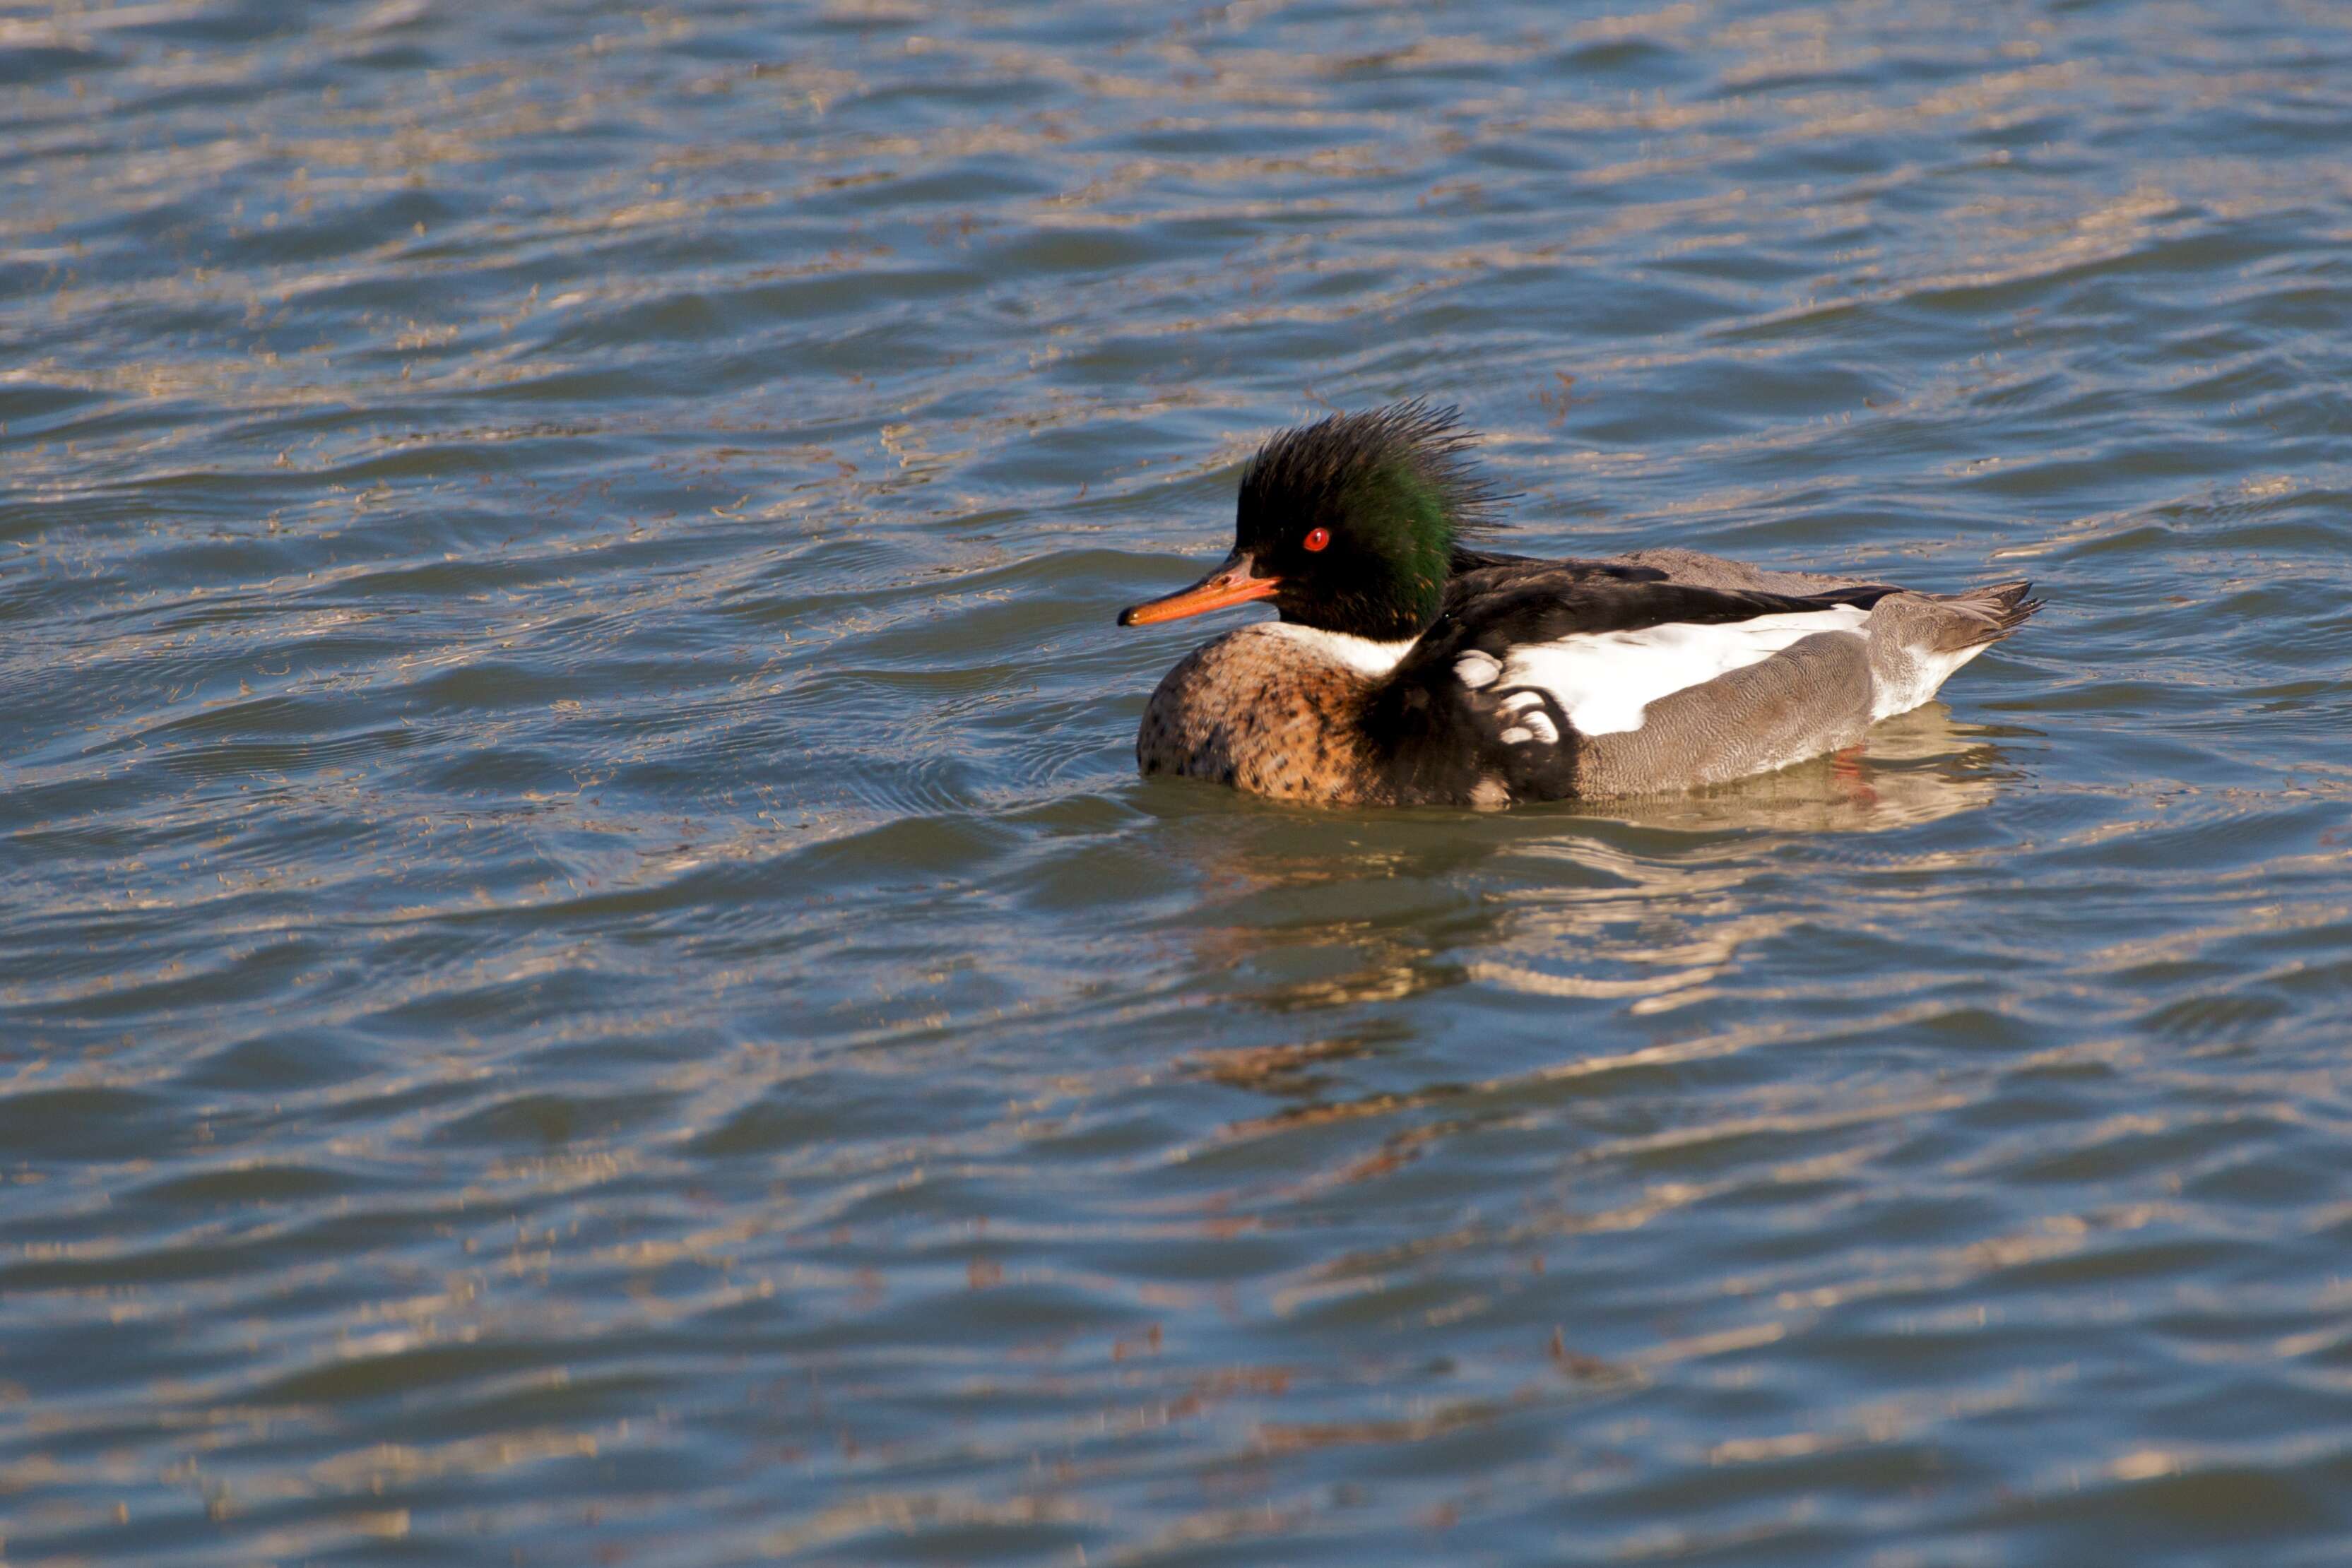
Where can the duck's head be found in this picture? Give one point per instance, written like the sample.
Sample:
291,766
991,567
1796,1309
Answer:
1346,525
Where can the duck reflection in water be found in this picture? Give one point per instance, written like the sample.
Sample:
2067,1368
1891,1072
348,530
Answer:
1637,904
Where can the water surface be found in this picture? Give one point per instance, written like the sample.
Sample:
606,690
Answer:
584,976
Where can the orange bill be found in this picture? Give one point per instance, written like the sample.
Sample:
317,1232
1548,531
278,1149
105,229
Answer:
1233,582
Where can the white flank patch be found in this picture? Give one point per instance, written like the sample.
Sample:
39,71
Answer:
1606,680
1360,654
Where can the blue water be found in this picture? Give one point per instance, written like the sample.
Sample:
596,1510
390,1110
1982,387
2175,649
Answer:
585,978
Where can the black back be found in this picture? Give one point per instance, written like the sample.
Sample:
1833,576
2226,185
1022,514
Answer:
1440,740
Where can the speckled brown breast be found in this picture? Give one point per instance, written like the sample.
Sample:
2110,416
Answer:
1264,714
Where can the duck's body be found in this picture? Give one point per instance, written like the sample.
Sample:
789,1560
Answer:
1472,679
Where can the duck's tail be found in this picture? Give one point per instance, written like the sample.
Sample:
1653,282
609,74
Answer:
1917,640
1982,616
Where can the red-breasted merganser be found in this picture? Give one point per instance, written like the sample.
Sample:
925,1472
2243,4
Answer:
1410,668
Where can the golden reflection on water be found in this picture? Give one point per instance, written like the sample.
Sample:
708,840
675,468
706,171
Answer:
1640,924
1594,935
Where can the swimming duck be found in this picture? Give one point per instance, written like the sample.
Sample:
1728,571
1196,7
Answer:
1409,666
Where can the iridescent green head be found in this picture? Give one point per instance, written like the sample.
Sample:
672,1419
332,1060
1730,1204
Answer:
1348,524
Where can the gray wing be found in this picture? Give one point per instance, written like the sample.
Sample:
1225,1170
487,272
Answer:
1694,570
1810,698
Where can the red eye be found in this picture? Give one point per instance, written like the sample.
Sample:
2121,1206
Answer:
1317,539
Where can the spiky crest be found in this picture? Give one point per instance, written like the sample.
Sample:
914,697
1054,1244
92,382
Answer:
1396,487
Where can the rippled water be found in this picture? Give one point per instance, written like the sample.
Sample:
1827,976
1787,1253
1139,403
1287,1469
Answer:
584,977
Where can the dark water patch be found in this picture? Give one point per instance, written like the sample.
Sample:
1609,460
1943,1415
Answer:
552,1120
69,1124
33,63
